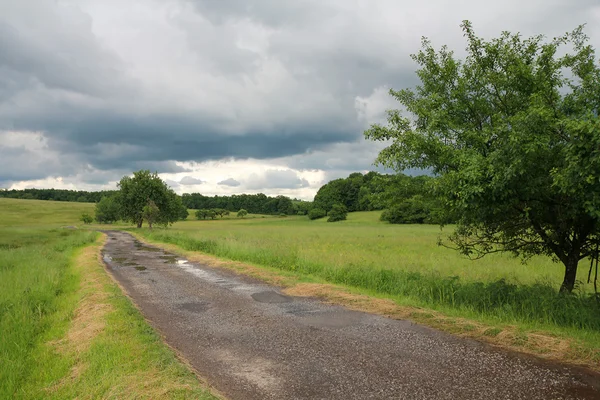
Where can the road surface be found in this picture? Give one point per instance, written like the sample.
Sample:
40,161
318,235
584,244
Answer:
251,342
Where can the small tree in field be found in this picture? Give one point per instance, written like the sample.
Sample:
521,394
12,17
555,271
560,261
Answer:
86,218
136,190
338,212
316,213
151,213
514,135
107,210
242,213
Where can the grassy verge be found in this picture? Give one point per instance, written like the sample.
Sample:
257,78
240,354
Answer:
69,332
517,312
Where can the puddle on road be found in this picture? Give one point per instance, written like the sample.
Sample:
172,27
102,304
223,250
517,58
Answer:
138,245
271,297
169,259
196,307
140,268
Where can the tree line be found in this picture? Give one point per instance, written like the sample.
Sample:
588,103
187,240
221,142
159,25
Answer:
79,196
252,203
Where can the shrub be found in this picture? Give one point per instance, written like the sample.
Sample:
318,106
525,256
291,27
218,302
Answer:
242,213
316,213
414,210
86,218
338,212
107,210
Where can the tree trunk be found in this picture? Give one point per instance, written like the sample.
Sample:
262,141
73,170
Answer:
570,275
139,224
150,225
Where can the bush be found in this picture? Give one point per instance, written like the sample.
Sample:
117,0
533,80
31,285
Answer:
316,213
415,210
242,213
338,213
86,218
107,210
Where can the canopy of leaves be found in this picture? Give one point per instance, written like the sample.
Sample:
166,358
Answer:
513,132
107,210
135,193
316,213
338,212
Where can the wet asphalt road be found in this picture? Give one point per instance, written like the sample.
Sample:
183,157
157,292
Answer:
251,342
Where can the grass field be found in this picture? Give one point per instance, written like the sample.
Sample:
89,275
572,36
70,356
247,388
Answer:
66,330
404,262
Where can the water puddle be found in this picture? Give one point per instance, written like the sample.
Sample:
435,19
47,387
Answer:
271,297
169,259
196,307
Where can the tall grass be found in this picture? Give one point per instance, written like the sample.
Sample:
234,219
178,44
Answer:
35,285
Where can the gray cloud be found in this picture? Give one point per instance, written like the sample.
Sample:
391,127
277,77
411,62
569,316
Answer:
190,180
115,87
229,182
276,179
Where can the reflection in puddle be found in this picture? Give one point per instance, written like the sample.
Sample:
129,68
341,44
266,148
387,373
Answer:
169,259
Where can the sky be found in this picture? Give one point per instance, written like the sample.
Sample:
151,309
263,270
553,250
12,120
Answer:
223,97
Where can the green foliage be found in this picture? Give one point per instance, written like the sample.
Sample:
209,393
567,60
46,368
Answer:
80,196
201,214
414,210
513,132
301,207
86,218
183,212
242,213
136,192
107,210
316,213
253,203
150,213
338,212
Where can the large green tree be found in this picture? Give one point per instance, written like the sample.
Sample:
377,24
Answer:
513,131
135,193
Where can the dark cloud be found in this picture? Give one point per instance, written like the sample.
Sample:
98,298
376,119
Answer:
190,180
276,179
229,182
115,88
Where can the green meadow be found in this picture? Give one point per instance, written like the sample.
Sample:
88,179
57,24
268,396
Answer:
404,263
66,330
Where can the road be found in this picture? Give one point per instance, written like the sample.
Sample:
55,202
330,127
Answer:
252,342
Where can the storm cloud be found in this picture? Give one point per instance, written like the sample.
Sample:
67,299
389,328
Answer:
91,90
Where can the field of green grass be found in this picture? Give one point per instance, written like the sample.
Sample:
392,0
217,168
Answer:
402,262
66,330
